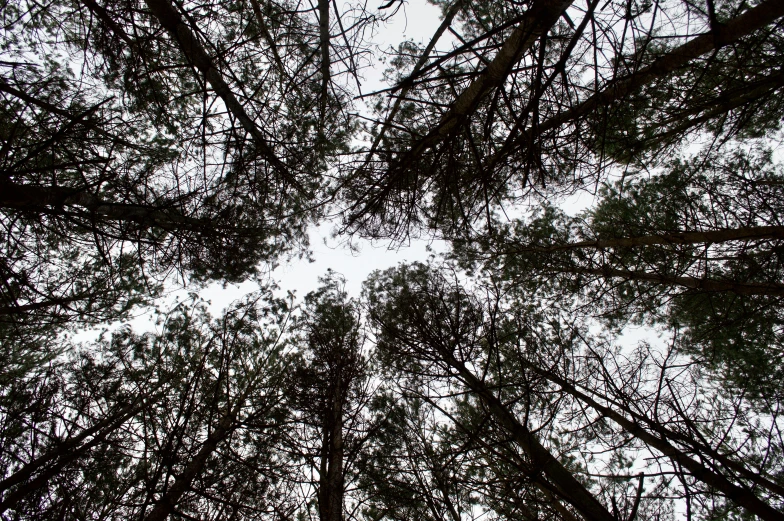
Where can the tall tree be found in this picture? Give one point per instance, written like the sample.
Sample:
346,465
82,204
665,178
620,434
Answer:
537,98
523,361
331,390
184,421
186,141
420,317
694,248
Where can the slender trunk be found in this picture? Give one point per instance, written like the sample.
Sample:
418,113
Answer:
323,6
100,12
747,23
665,433
194,468
48,199
172,21
406,85
265,33
537,21
331,469
713,236
541,459
441,485
773,289
740,496
167,503
34,306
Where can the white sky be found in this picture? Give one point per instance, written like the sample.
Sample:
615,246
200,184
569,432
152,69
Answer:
417,20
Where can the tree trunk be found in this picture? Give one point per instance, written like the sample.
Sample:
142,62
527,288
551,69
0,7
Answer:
172,21
740,496
331,468
51,199
166,505
713,236
536,22
750,21
773,289
541,459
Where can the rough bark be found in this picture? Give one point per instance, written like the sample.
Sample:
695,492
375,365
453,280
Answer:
51,199
331,465
537,21
406,85
664,433
323,7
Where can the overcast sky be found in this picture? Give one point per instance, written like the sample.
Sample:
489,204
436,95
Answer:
416,20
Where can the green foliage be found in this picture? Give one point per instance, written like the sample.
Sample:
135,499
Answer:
148,144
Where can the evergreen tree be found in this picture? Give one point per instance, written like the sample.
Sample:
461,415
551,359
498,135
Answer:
184,421
331,391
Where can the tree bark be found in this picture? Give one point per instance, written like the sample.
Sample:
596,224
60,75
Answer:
172,21
665,433
331,467
713,236
182,484
323,7
750,21
536,22
50,199
406,85
773,289
740,496
571,489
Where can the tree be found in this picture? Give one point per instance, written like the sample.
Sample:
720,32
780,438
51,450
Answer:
415,466
146,144
694,249
444,333
516,109
199,414
526,362
152,160
331,391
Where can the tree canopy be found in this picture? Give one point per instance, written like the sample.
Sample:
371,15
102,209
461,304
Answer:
617,361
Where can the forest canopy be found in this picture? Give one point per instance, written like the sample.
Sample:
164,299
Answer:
621,361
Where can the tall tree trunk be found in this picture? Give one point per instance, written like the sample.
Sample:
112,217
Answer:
51,199
172,21
685,237
323,7
541,459
331,468
407,83
747,23
740,496
537,21
698,446
182,484
774,289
